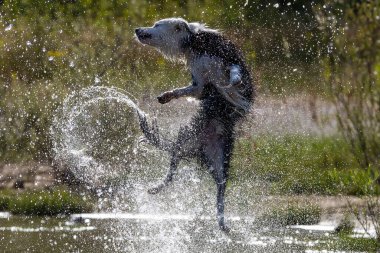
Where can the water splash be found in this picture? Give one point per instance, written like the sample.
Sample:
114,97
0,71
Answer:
94,134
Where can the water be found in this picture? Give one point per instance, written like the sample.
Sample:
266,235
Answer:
96,136
127,232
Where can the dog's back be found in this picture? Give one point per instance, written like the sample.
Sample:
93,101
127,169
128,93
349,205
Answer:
215,45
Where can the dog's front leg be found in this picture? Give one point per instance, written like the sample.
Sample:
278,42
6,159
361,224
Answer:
192,90
235,77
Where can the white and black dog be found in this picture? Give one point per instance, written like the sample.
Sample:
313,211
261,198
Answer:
222,83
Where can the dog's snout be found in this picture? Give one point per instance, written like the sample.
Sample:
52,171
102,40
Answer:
142,34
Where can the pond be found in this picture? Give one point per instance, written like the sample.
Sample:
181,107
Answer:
181,218
128,232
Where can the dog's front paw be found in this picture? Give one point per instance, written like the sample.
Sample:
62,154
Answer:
155,190
165,97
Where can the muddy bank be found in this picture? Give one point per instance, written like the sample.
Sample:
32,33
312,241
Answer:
31,175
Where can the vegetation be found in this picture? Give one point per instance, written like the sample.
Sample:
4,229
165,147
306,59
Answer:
352,72
368,215
303,165
330,48
51,48
345,226
4,202
347,243
42,202
293,214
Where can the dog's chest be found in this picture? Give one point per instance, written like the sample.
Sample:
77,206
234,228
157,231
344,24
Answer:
208,69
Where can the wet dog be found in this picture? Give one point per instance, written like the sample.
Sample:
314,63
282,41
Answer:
222,83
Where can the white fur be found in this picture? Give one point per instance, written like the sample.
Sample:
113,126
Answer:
166,36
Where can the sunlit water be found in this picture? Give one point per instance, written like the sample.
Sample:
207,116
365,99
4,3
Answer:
95,135
128,232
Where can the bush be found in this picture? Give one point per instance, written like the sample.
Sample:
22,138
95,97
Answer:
302,165
50,48
345,226
48,203
352,66
4,202
293,214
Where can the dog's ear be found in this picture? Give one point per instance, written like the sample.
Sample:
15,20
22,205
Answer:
182,26
186,26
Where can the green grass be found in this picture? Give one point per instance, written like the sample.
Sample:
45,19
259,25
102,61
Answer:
302,165
44,202
350,244
346,226
4,202
50,49
292,214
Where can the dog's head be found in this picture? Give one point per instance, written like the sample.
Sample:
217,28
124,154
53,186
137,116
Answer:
168,35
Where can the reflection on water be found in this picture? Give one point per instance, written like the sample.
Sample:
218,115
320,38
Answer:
126,232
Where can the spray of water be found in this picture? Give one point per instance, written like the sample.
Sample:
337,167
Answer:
94,134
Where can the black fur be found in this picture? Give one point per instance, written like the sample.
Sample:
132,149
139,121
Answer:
210,135
214,44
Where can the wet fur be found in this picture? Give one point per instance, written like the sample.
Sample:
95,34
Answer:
222,83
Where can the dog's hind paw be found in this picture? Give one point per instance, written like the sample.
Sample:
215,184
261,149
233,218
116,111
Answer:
225,228
156,189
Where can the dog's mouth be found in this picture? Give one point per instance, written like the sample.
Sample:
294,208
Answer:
142,35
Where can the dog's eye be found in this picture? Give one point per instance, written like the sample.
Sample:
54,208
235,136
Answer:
177,28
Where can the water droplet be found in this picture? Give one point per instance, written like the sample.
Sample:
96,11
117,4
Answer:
9,27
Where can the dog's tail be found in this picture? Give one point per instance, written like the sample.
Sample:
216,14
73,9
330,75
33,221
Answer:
152,134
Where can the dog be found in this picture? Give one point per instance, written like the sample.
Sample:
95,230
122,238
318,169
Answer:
223,84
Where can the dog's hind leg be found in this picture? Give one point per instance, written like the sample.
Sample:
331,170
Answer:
182,148
217,153
221,181
169,176
219,172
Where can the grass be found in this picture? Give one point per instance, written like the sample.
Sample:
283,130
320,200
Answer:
49,49
350,244
292,214
303,165
4,202
44,202
345,226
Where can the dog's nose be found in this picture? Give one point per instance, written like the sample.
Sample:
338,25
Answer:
142,34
